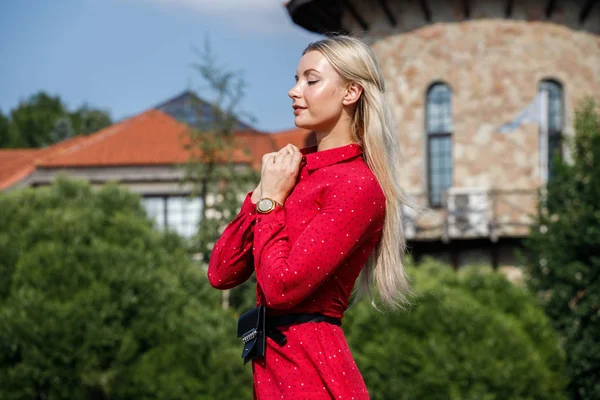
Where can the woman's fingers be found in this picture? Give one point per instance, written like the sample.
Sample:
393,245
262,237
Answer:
285,159
289,148
266,157
288,161
269,157
295,159
288,156
285,150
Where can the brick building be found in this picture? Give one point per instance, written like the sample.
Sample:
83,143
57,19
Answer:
455,71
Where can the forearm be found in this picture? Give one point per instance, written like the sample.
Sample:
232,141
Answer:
231,261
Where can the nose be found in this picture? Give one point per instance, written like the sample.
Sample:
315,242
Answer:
294,93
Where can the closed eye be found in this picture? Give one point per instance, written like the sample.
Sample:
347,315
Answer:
312,82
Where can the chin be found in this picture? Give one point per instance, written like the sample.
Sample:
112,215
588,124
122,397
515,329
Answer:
304,124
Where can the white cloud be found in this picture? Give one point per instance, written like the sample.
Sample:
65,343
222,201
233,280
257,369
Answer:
261,16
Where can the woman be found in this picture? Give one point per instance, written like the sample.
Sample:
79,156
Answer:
316,218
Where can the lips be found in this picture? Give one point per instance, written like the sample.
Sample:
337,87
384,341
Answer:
298,109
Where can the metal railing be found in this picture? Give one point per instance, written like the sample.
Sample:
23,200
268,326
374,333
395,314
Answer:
470,213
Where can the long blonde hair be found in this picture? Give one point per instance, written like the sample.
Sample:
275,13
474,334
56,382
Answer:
373,127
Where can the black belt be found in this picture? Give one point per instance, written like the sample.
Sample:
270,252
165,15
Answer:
292,319
254,326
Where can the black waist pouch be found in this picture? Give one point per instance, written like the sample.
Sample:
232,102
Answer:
252,329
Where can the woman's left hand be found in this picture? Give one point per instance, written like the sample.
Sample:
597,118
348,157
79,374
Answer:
279,172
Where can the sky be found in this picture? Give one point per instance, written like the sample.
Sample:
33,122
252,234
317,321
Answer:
126,56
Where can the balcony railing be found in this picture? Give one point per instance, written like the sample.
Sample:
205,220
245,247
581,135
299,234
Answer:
470,213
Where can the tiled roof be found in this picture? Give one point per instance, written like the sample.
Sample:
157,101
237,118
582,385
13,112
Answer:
298,137
150,138
145,139
17,164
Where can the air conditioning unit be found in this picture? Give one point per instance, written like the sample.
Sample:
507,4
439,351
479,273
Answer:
468,213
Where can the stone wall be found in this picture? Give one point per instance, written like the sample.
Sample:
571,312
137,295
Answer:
493,68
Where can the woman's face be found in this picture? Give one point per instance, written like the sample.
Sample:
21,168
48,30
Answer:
318,93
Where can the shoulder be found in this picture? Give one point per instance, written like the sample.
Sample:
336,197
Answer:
355,173
355,182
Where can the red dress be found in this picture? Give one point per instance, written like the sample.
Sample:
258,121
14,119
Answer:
307,256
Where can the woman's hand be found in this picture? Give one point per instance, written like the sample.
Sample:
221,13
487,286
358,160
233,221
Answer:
279,172
256,194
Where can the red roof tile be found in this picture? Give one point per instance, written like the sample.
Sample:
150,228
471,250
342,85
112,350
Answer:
298,137
150,138
17,164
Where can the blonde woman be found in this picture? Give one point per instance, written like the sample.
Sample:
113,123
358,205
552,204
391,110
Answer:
319,217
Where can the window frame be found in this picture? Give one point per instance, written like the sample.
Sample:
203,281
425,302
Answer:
164,213
433,203
555,135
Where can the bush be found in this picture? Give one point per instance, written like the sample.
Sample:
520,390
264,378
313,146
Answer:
564,254
469,335
95,303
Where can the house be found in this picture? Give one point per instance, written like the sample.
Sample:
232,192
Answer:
455,71
143,154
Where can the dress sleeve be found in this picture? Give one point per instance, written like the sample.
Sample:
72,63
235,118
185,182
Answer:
350,214
231,260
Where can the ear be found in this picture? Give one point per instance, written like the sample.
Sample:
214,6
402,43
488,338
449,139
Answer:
353,93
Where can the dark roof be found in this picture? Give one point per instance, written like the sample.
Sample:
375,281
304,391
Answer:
189,108
325,16
316,16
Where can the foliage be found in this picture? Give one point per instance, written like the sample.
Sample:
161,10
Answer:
86,120
96,304
564,253
218,181
42,120
469,335
6,132
35,119
63,129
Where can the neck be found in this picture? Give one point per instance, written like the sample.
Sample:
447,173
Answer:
340,135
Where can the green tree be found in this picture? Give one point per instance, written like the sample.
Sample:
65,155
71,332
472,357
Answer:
96,304
36,118
469,335
6,139
564,253
63,129
43,120
86,120
219,182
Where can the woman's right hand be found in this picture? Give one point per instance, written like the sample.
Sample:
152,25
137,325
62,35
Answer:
257,193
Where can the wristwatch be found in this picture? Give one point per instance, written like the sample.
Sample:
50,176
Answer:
266,205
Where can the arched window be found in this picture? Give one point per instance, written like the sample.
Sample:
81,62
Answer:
439,142
555,120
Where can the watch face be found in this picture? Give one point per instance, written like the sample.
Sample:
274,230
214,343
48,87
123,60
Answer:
265,204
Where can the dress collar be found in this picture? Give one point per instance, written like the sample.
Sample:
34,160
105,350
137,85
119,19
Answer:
317,159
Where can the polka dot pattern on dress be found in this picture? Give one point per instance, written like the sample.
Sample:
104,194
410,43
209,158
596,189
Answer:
307,256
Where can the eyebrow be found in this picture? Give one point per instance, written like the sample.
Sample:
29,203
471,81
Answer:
306,72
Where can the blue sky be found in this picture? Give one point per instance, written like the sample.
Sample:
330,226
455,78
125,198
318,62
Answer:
129,55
